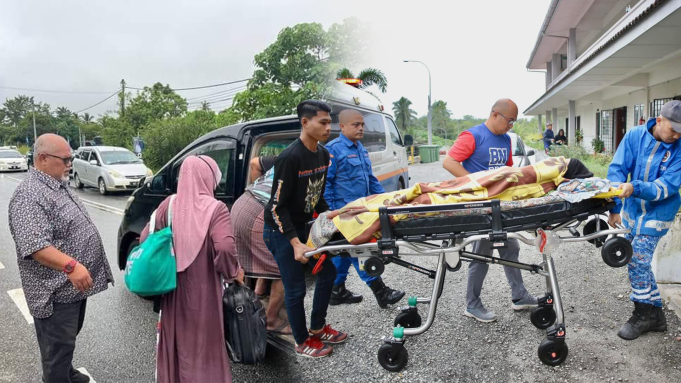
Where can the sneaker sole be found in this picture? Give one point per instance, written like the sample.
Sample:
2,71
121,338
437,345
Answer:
523,307
311,356
332,342
466,313
349,302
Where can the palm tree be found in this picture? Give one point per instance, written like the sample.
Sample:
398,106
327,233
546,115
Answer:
403,113
369,77
87,118
205,106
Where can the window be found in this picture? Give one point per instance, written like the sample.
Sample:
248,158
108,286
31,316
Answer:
606,129
85,156
394,133
638,113
222,152
374,133
115,157
656,106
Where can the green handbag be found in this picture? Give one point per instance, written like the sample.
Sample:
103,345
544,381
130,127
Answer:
151,268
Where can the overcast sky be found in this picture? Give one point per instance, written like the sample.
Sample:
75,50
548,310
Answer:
476,50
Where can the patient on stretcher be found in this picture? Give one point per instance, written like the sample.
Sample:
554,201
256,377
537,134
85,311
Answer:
530,185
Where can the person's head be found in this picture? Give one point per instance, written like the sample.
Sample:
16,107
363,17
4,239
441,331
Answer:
561,132
315,117
351,123
549,126
200,173
502,116
52,156
669,122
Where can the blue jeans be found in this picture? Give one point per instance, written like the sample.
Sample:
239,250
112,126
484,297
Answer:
343,267
643,285
293,278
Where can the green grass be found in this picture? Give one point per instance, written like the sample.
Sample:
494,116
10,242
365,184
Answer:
597,168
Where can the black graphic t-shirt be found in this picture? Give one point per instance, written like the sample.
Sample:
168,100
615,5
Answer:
298,188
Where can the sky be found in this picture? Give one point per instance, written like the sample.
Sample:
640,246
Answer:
476,50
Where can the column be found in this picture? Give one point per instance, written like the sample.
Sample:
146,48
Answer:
572,121
539,124
555,68
549,76
572,49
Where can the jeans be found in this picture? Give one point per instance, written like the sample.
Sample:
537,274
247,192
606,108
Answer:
343,267
643,285
293,278
57,339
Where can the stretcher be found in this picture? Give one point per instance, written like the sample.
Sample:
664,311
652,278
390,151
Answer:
455,226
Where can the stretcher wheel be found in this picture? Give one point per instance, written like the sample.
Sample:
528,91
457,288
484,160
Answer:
374,267
552,352
392,359
617,252
542,317
593,226
408,320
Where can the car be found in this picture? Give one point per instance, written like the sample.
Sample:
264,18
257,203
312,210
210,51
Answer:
233,147
12,160
521,156
108,168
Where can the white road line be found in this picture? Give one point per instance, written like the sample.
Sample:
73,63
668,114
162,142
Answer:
84,371
17,296
1,266
94,204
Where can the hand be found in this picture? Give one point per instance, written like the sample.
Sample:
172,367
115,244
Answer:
614,220
627,190
80,278
299,250
239,279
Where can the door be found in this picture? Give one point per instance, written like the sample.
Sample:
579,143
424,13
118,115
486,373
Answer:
85,167
620,125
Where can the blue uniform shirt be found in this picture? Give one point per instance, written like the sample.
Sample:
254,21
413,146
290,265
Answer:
349,176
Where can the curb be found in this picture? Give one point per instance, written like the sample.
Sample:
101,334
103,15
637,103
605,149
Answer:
671,295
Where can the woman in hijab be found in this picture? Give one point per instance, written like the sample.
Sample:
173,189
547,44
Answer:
191,344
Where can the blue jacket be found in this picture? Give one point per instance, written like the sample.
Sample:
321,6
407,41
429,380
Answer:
655,170
349,176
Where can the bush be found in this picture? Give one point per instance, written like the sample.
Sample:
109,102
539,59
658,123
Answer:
598,145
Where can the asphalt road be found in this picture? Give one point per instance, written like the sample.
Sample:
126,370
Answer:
117,341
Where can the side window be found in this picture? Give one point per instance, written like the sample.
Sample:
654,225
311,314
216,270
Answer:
394,133
222,152
374,133
85,156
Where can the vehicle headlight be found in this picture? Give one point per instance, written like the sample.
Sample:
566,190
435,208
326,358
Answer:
149,172
115,174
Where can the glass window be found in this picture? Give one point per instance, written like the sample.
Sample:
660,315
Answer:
274,147
656,106
119,157
374,133
85,156
10,154
606,129
394,132
638,113
223,153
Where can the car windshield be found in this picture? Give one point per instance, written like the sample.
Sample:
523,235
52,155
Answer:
119,157
10,154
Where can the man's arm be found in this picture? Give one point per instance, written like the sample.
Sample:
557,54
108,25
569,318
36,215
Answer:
453,166
55,259
283,187
462,149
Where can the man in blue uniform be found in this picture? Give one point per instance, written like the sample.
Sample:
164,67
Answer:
651,155
349,178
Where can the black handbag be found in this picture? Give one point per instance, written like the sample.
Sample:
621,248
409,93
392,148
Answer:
245,325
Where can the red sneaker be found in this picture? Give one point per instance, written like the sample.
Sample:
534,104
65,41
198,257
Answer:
329,335
313,348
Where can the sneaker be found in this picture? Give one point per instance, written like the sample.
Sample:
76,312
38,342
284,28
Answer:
313,348
480,314
329,335
526,303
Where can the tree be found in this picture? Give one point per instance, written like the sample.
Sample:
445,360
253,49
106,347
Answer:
205,106
17,108
154,103
87,118
403,113
369,77
441,116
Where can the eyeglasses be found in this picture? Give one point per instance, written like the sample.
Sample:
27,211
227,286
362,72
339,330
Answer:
65,160
510,121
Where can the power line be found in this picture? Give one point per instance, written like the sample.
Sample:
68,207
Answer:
200,87
90,107
217,93
52,90
214,98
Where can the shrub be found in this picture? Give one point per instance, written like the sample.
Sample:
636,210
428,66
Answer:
598,145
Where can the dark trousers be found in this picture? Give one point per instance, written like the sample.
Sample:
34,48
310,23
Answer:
57,340
293,278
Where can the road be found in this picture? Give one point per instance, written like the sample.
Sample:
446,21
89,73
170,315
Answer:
117,341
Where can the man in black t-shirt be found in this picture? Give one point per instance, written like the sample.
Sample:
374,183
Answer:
297,193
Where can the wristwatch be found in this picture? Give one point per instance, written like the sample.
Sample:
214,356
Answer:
68,268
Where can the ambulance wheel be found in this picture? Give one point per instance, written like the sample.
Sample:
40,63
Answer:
542,317
408,320
617,252
592,227
374,267
391,359
552,352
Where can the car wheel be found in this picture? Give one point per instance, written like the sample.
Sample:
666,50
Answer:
400,184
76,180
102,187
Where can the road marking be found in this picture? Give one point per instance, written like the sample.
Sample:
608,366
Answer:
17,296
84,371
87,202
1,266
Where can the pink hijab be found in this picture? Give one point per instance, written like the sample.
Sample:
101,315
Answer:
193,207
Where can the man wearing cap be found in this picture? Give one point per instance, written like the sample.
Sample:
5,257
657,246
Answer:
548,137
651,155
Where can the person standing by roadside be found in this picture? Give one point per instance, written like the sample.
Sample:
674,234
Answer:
350,177
60,255
485,147
648,163
297,193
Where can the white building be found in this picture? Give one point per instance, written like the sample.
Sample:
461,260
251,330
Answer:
609,64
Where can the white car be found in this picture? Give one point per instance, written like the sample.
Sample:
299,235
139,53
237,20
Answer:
521,156
109,169
12,160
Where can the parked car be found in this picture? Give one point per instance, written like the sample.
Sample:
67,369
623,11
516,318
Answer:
521,156
234,146
12,160
108,168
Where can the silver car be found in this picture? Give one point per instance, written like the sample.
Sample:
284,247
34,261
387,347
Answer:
108,168
12,160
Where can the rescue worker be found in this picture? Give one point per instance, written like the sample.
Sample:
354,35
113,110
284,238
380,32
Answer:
651,155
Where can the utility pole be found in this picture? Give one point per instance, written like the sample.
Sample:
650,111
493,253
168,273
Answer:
430,115
35,134
122,97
